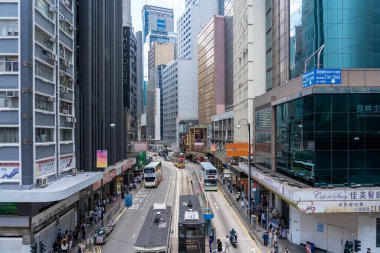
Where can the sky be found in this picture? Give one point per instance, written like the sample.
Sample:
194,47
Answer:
137,5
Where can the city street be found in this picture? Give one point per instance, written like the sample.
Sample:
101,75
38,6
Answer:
127,228
225,218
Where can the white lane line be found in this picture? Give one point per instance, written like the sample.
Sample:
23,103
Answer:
133,236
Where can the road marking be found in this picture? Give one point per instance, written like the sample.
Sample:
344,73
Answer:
216,206
133,236
120,214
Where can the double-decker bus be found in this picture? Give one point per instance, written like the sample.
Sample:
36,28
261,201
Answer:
179,161
210,180
152,174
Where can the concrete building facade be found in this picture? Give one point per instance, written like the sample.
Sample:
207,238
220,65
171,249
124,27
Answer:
315,147
248,55
211,69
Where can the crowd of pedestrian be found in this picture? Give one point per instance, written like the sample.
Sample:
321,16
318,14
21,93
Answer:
65,241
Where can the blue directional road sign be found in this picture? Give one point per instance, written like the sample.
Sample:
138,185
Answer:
322,76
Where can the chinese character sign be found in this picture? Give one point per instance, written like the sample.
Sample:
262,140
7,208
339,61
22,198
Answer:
101,159
9,172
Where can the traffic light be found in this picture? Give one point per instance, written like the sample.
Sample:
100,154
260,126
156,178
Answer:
43,247
357,245
33,248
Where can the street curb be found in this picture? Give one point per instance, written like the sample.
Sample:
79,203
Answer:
253,235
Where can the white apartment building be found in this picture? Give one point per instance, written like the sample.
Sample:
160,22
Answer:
248,58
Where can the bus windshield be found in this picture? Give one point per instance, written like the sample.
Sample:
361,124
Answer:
149,170
149,179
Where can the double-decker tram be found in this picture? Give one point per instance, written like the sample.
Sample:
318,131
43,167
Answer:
152,174
210,180
179,161
191,225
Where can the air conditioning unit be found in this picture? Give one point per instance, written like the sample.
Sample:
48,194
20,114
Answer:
71,78
62,88
42,182
65,111
74,120
66,62
69,119
72,28
51,99
11,94
52,9
61,73
61,17
48,53
67,3
74,171
52,39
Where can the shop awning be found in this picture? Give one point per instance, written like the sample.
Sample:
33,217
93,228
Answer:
54,191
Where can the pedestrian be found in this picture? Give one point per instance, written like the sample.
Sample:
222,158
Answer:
83,228
242,203
80,248
263,220
70,239
100,214
64,245
368,250
237,196
55,247
227,244
270,237
219,244
59,235
286,250
276,247
265,238
275,237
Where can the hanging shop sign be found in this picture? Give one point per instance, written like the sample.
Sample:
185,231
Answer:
237,149
66,162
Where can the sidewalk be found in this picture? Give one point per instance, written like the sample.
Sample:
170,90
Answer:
113,210
257,232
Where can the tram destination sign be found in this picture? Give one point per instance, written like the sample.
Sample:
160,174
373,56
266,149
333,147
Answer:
322,76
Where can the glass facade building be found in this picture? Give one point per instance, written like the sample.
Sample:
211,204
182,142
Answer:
349,29
263,136
325,139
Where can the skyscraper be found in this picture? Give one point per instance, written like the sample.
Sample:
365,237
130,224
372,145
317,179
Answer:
157,19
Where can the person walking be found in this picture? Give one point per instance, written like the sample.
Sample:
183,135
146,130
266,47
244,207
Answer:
70,239
286,250
263,220
227,244
265,238
270,237
219,245
276,247
368,250
64,245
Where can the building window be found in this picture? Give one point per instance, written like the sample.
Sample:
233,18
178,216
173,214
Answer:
44,39
66,135
8,63
66,108
8,135
44,135
8,99
65,53
377,232
66,27
44,71
43,7
44,103
8,28
66,81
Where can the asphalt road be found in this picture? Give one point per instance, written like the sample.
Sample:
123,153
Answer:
129,225
225,218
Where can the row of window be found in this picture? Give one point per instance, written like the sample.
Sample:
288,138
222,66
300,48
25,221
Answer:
43,135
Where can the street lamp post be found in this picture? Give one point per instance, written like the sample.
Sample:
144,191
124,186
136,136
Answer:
249,167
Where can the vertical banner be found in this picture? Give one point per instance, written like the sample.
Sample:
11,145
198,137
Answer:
101,159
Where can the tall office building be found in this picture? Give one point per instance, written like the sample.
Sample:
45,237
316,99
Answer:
211,69
248,57
38,116
228,57
159,55
157,19
140,76
196,15
321,140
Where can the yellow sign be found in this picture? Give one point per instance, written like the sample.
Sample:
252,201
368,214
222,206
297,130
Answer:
237,149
